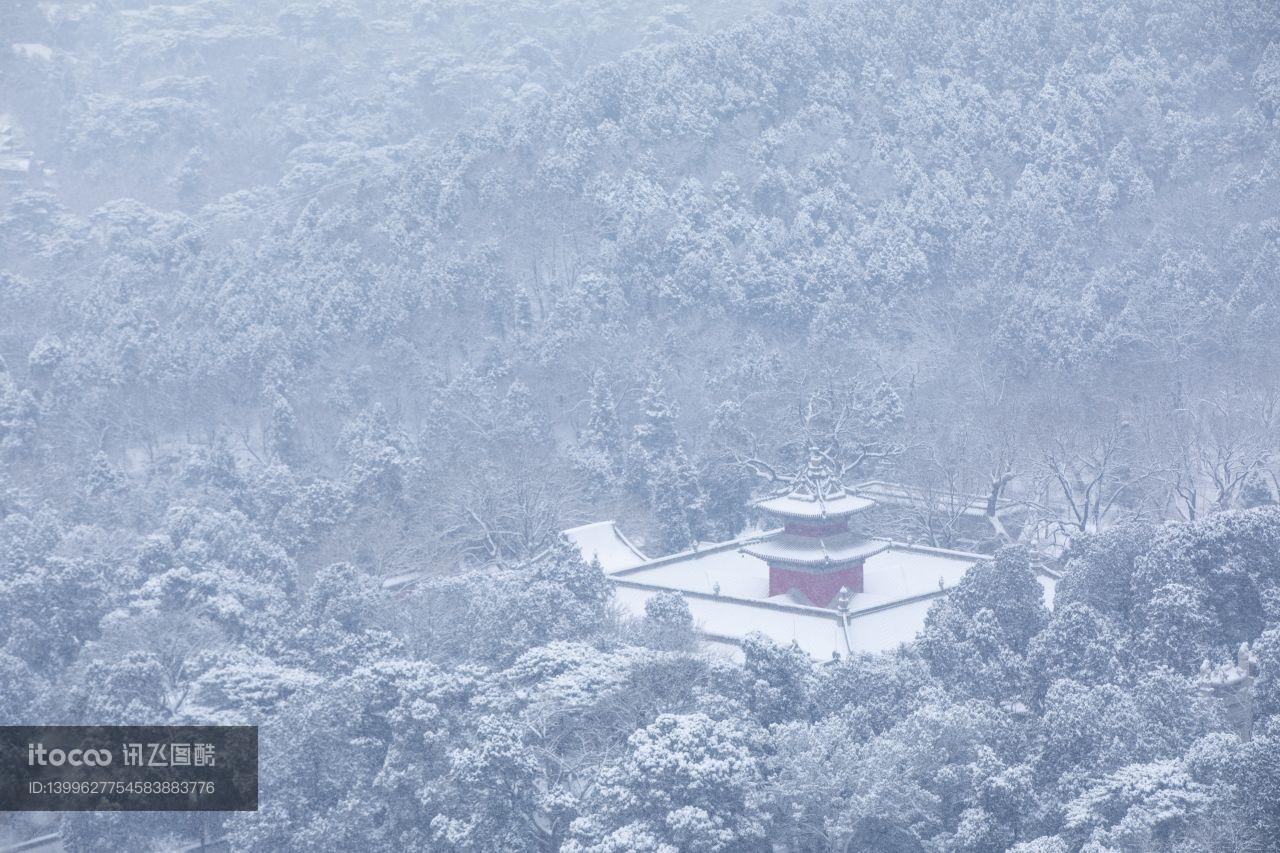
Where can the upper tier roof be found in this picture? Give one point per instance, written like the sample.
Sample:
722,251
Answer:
792,505
816,494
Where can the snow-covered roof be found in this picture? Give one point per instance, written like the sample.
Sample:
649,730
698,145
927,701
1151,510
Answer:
603,541
816,493
833,551
792,505
818,631
728,619
896,572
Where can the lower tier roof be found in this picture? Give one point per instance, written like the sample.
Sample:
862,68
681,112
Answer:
829,552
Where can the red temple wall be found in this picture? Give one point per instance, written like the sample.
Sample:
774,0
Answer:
821,588
817,528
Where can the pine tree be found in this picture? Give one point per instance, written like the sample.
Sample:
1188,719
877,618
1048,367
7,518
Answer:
1079,643
658,469
977,637
603,432
281,427
668,622
655,437
1174,628
600,448
677,501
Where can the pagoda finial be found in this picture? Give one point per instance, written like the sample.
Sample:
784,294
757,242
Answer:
819,480
814,492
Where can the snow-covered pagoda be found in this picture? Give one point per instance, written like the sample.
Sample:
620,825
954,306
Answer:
814,576
817,553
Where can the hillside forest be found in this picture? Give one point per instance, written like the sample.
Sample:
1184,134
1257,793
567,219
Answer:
301,298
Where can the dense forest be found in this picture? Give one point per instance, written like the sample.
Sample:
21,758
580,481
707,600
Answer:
299,297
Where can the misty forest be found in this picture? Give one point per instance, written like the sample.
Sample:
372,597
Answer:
321,320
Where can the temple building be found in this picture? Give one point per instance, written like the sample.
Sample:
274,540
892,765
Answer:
816,554
813,575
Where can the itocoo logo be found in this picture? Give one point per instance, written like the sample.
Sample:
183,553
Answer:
37,755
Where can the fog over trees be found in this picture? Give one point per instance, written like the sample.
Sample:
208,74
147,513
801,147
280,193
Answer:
320,320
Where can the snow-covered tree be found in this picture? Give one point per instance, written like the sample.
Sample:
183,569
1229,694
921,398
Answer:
686,782
977,637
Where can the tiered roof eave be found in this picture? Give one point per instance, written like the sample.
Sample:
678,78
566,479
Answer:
803,507
816,552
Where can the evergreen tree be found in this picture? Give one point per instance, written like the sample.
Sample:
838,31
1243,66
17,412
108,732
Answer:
977,637
601,451
685,782
1100,567
676,501
1175,628
603,431
1078,643
655,438
1216,569
1258,778
658,467
668,622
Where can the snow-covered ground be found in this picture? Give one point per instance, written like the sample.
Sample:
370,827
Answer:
728,591
604,542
